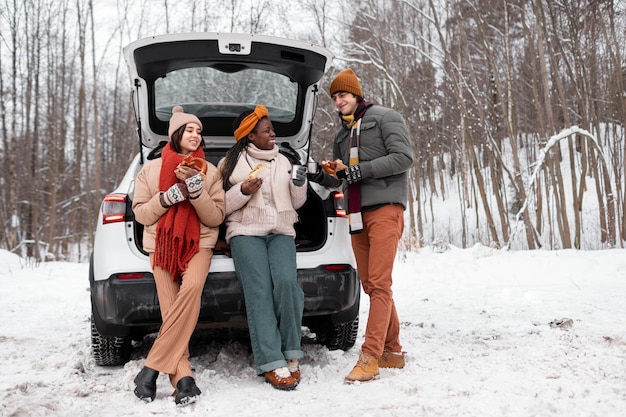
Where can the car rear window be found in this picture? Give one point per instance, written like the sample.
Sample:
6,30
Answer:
210,92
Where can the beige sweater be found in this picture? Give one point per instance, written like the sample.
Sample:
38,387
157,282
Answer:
209,206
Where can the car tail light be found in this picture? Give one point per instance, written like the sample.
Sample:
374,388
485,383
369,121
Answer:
114,208
340,204
341,267
134,275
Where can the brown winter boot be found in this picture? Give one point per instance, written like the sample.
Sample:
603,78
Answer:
281,379
391,360
366,369
294,369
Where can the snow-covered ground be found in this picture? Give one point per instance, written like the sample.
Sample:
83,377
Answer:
488,333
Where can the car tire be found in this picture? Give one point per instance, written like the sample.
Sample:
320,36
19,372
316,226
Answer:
338,336
109,351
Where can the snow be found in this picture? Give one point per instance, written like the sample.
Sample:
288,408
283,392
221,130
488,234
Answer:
486,331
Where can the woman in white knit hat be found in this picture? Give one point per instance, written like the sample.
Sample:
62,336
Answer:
180,201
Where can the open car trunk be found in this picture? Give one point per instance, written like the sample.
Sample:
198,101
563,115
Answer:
217,76
311,228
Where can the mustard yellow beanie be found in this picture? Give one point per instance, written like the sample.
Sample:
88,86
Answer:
346,81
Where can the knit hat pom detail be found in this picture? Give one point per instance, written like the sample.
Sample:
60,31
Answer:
180,118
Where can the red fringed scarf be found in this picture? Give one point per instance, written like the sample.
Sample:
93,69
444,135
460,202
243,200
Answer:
178,230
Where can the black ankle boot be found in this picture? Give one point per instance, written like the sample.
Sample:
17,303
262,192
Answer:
145,382
188,391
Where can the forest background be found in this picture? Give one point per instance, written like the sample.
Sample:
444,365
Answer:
516,110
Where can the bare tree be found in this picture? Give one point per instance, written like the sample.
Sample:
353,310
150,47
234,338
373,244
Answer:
483,86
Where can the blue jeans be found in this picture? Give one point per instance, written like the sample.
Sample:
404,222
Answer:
266,268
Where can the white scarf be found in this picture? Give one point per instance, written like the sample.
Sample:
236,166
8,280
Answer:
280,177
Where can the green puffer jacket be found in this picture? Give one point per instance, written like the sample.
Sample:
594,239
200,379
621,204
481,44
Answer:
385,156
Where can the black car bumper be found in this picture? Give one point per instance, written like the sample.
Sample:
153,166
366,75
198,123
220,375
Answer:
130,306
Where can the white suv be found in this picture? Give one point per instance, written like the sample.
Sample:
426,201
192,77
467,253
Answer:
216,76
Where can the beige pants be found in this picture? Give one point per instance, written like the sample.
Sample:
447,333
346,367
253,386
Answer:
180,307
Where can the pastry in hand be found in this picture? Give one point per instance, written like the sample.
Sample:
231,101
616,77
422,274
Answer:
330,167
259,171
198,164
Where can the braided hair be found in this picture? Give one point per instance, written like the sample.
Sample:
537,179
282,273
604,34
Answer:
233,154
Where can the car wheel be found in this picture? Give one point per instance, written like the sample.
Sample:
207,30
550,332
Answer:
337,336
109,351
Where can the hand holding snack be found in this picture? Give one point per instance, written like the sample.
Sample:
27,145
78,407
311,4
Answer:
190,167
255,179
331,167
340,165
198,164
251,186
259,171
183,172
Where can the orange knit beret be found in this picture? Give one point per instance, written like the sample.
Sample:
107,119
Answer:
248,124
346,81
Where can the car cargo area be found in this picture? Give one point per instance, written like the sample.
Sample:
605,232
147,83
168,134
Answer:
311,228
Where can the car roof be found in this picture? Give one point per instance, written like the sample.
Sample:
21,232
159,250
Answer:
153,58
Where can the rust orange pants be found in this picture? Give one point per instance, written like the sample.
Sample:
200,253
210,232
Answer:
375,252
180,308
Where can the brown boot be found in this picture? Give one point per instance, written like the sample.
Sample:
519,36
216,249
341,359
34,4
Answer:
294,369
391,360
281,379
366,369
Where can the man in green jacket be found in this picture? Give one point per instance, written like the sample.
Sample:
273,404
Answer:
373,155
